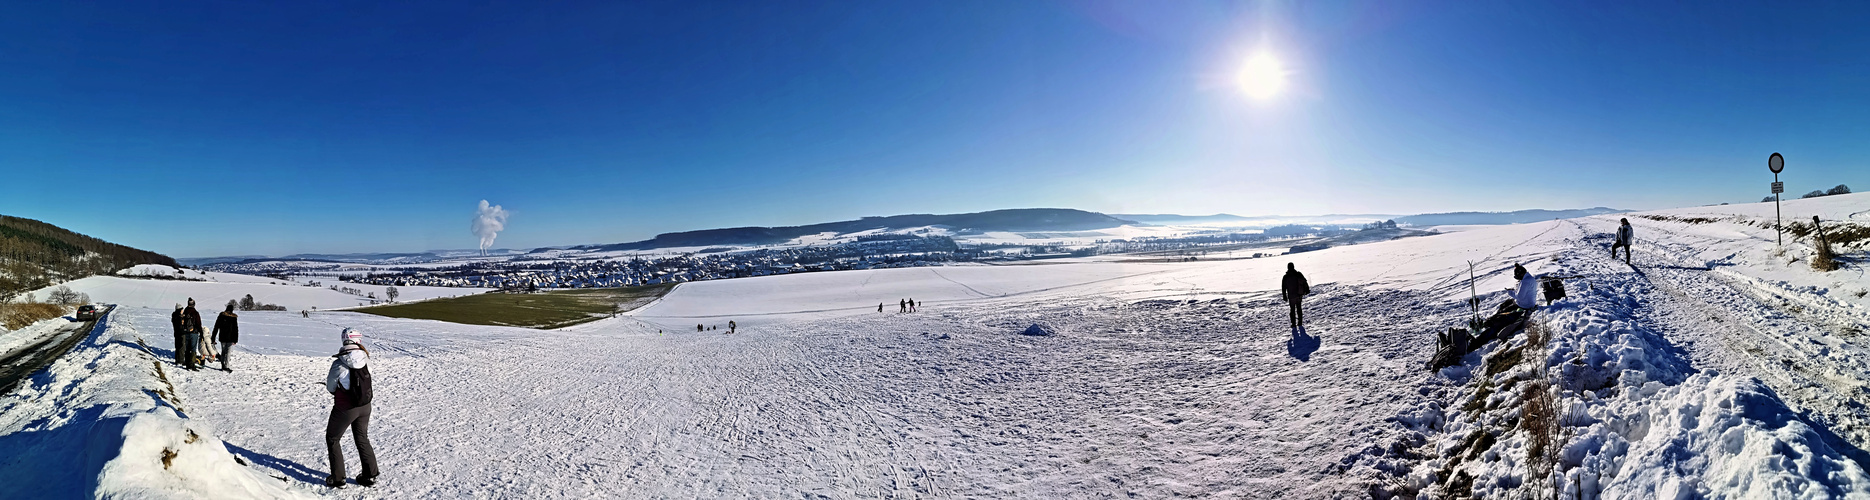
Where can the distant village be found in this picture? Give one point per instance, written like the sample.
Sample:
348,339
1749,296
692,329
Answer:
552,270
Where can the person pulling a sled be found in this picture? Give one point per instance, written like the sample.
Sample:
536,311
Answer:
1294,288
349,385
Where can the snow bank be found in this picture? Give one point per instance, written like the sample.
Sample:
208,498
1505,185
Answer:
103,419
1646,425
1636,416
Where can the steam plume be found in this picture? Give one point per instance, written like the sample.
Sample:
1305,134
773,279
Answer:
488,222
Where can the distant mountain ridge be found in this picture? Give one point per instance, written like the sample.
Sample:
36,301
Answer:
1174,219
1009,220
1017,219
1489,218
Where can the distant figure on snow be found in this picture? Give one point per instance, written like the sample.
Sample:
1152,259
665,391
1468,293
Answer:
348,381
879,307
700,328
1294,288
1625,235
902,305
912,305
191,329
227,333
731,326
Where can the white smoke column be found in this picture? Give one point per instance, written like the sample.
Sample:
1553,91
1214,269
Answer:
488,222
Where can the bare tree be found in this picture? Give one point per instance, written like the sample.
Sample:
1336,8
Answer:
391,293
63,296
1814,194
247,303
1841,189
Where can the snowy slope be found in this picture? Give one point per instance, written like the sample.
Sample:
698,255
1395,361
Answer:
100,421
218,288
1714,368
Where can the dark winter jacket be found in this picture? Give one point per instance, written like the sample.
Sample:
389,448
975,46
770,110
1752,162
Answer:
176,318
1294,286
227,328
191,320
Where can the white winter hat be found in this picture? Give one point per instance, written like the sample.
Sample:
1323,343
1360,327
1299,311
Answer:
352,336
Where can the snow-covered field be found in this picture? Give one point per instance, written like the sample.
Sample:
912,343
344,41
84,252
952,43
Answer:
214,289
1716,367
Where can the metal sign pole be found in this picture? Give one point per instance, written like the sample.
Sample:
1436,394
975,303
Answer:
1777,163
1473,298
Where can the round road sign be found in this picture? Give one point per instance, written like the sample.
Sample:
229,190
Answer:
1776,162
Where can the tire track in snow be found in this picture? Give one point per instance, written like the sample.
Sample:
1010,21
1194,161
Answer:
1799,359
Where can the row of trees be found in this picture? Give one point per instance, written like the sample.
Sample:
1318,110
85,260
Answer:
1840,189
248,304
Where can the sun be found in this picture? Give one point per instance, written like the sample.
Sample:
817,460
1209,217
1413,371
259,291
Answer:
1262,77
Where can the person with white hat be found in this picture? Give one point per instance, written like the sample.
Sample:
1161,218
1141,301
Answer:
349,385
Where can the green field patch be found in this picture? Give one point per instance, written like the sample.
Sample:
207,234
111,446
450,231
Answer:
544,310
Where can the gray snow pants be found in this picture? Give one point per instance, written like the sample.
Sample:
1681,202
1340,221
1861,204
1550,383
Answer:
358,421
190,344
227,351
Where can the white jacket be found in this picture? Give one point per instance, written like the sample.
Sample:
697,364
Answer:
352,357
1527,295
1625,234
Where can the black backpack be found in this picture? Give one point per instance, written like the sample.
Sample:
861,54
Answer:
360,386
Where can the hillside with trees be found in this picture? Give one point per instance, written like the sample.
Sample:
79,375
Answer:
34,254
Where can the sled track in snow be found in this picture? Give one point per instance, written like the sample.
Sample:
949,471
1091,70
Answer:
1812,369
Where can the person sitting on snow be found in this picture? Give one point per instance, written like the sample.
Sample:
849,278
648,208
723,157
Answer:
1526,295
1511,315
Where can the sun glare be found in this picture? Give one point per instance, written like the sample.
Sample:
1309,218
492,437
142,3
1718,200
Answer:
1262,77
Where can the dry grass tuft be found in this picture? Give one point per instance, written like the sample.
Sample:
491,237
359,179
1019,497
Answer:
17,316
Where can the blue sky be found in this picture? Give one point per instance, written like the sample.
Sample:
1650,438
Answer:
284,127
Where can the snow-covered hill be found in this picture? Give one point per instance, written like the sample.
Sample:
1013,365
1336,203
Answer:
1716,367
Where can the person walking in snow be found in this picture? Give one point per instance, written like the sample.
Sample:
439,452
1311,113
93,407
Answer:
191,329
912,305
1625,235
181,334
348,381
227,333
902,305
1294,288
879,307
